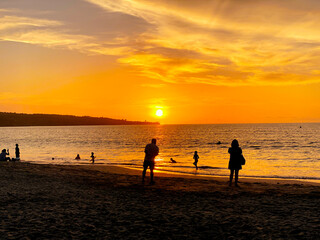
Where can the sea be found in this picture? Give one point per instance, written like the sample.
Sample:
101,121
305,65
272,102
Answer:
273,151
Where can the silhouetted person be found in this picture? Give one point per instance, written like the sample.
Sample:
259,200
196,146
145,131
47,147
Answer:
151,151
17,152
196,158
235,161
3,155
173,161
92,157
77,157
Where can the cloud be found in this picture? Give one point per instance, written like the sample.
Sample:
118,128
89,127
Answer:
45,33
184,70
5,10
221,42
237,43
11,22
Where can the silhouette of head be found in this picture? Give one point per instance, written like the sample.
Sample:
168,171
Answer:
17,145
235,143
195,152
154,141
3,150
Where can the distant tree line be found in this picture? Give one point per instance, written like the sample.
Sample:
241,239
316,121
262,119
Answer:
22,119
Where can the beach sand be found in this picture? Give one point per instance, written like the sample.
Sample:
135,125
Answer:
107,202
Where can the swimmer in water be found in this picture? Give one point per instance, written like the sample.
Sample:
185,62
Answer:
173,161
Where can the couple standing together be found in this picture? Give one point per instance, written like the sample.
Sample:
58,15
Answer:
235,163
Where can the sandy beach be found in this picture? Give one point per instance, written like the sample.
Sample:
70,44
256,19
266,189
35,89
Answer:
107,202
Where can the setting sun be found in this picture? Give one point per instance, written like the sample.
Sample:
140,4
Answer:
159,113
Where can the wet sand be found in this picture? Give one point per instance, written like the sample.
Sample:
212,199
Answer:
106,202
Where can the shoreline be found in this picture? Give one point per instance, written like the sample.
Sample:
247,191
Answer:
120,169
165,174
269,180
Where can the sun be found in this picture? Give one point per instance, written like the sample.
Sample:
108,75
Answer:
159,113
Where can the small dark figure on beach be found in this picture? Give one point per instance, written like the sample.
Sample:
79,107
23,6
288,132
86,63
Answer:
17,152
235,161
218,143
196,158
92,157
77,157
173,161
151,151
3,155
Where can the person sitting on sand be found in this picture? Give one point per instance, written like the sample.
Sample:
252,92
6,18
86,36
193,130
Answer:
151,151
235,161
3,155
92,157
173,161
77,157
196,157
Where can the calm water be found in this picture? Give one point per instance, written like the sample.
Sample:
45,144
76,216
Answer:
271,150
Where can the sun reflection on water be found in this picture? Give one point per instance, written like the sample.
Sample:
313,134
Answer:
271,150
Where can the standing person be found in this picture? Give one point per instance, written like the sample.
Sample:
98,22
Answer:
196,158
151,151
235,161
17,152
92,157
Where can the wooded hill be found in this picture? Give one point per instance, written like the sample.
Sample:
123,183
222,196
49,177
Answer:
21,119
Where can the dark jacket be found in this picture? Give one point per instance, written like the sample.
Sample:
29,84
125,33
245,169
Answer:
151,151
235,160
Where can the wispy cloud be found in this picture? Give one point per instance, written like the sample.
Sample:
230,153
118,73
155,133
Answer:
265,44
218,42
46,33
14,22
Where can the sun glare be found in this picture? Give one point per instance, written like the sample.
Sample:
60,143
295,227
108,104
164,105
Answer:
159,113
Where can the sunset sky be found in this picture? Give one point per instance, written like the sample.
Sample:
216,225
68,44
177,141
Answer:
206,61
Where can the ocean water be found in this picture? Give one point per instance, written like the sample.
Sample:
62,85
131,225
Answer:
289,151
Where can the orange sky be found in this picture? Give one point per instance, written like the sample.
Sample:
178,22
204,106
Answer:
208,61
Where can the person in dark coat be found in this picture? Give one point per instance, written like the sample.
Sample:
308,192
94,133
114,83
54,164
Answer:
235,161
151,151
17,152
